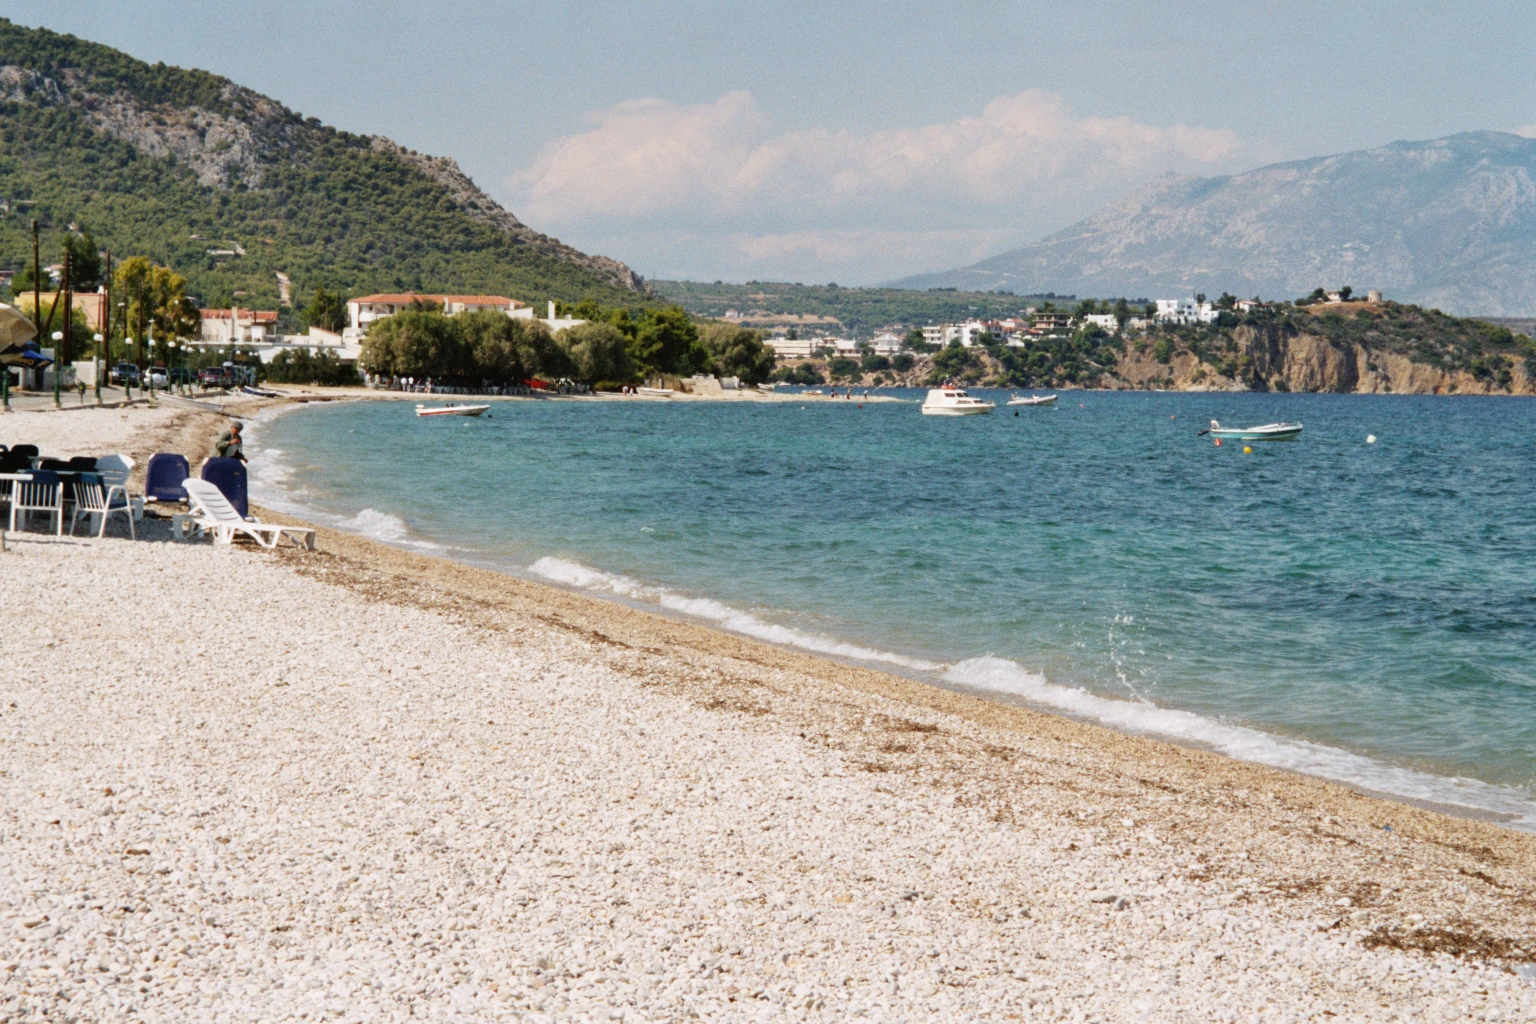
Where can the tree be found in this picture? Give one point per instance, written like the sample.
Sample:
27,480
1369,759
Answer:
84,261
1200,298
665,342
1227,301
1122,311
327,311
738,352
597,352
1346,292
494,347
414,343
157,299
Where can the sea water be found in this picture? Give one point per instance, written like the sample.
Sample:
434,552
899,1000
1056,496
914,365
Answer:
1361,611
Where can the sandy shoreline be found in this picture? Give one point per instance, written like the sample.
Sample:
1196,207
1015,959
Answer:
381,783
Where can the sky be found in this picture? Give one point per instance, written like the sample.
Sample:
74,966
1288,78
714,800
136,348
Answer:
848,142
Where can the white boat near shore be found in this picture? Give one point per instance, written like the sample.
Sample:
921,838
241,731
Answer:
1267,432
654,392
451,410
1033,400
949,401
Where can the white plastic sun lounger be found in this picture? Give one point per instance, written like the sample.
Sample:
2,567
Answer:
213,514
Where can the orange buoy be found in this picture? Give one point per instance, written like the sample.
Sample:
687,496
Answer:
1218,442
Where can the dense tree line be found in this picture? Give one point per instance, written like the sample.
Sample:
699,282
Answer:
613,347
301,366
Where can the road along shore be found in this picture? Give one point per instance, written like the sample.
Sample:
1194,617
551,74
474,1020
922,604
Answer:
370,784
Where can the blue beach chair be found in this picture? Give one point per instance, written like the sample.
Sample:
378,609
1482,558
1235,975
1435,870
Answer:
163,477
228,475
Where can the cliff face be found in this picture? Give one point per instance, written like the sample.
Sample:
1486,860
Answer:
1278,360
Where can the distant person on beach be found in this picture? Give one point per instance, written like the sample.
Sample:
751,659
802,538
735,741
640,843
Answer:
229,445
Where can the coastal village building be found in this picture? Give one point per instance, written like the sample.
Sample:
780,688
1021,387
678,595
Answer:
92,304
238,326
886,344
1104,321
1186,311
364,310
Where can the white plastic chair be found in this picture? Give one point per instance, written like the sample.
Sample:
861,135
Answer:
114,471
29,496
93,498
212,513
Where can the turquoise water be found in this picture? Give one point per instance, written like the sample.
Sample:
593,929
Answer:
1361,611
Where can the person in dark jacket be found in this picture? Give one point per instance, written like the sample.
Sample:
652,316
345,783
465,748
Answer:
229,444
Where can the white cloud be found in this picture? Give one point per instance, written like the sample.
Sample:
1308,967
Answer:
877,204
1528,130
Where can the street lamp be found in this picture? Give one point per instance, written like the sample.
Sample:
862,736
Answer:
150,369
100,365
58,346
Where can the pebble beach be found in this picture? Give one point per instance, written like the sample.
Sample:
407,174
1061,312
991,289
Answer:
364,784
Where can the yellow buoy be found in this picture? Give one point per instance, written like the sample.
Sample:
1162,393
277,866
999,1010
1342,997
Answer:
1247,450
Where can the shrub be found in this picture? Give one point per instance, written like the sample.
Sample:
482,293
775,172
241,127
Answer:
301,366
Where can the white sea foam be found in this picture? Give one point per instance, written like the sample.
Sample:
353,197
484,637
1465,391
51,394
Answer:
1244,743
271,482
573,574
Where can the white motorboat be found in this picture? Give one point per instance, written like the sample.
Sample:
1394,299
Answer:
654,392
948,401
1267,432
1033,400
451,410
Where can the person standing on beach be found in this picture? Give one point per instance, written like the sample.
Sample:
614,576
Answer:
229,445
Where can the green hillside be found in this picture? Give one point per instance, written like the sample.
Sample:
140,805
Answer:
171,163
863,311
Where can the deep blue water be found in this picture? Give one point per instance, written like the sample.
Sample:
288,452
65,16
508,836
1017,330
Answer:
1362,611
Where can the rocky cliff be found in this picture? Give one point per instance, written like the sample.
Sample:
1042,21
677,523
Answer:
1272,359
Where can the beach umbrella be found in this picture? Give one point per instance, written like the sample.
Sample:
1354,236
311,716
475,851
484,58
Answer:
26,355
14,327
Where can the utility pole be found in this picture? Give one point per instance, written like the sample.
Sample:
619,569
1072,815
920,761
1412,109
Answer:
37,283
61,352
104,350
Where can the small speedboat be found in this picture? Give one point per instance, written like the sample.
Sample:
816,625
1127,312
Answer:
1033,400
451,410
948,401
654,392
1267,432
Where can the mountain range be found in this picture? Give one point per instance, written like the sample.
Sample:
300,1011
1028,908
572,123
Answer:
1448,223
240,193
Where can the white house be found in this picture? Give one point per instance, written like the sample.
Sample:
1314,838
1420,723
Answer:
237,326
1185,311
886,344
798,348
1105,321
364,310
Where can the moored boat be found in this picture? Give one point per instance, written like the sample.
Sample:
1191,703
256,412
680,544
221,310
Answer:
950,401
654,392
451,410
1033,400
1267,432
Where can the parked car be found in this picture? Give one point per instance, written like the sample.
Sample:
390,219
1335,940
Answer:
180,375
158,376
124,373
